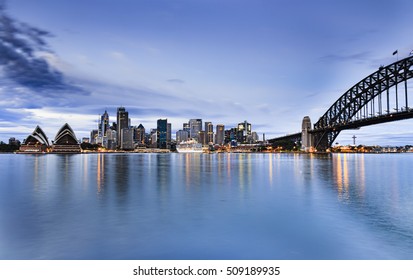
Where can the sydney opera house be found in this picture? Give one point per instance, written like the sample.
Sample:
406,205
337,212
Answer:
64,142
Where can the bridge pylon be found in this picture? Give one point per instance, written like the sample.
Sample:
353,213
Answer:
307,139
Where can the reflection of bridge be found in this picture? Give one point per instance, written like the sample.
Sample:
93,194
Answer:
378,98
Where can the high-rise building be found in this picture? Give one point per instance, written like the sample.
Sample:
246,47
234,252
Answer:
243,131
168,134
104,124
93,136
202,137
181,135
187,128
209,131
139,136
111,136
153,138
220,134
126,139
195,126
122,121
161,133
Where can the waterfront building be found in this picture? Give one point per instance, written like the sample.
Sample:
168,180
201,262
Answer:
111,136
243,132
93,136
139,135
169,134
255,137
202,138
153,138
230,135
186,127
127,139
104,124
161,133
36,142
195,126
66,141
209,133
122,121
181,136
85,140
220,134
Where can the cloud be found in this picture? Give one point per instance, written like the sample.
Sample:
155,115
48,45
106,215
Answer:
176,81
358,57
20,62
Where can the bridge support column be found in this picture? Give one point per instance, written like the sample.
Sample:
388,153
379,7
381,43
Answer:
307,141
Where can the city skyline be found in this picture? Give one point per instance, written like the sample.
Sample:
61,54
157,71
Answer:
271,63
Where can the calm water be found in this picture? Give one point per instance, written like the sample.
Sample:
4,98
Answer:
219,206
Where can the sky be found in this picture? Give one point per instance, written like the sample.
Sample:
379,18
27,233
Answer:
225,61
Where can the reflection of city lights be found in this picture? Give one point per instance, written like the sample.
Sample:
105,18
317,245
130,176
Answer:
270,167
345,173
100,171
361,180
339,175
342,176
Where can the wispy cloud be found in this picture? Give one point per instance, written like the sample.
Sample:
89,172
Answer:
20,62
175,81
358,57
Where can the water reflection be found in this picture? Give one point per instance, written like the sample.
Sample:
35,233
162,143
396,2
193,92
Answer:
121,170
219,206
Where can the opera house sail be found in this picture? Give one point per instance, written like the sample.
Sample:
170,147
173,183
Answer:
66,141
36,142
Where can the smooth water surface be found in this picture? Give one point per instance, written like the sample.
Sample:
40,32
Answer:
206,206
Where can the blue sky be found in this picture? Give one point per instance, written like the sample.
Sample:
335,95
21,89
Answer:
268,62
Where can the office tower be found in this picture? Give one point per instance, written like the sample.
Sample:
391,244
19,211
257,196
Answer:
186,128
127,139
169,133
195,126
243,131
153,135
93,136
122,121
111,136
181,136
202,137
209,131
230,135
139,136
220,134
161,133
104,124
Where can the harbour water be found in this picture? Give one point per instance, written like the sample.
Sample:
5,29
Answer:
206,206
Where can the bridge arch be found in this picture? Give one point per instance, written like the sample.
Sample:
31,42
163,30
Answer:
363,103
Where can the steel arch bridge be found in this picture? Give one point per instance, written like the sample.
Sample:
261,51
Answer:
376,99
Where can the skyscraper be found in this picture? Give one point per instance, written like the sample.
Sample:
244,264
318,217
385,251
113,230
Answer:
195,126
243,131
122,121
104,124
220,134
168,134
209,131
181,135
127,139
161,133
139,136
